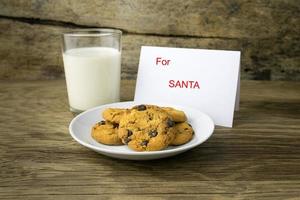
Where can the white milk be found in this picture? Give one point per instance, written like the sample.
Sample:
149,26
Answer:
92,76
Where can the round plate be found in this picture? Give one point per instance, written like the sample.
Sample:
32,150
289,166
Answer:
80,130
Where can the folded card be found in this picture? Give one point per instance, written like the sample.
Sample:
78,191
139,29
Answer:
204,79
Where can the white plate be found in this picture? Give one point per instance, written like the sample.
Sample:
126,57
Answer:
80,129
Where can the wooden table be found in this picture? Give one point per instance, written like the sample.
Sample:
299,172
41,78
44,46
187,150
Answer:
257,159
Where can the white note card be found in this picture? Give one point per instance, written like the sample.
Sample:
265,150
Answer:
204,79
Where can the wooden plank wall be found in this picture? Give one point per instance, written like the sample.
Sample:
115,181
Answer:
267,32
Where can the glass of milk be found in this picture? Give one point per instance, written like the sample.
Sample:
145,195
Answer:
92,63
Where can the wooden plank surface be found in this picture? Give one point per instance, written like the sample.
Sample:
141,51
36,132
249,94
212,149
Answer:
205,18
257,159
267,32
33,52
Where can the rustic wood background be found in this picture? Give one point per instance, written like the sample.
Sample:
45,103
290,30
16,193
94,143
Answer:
267,32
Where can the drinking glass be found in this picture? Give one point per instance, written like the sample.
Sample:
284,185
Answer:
92,64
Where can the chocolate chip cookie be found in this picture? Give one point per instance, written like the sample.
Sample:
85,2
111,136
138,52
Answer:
146,128
183,133
177,115
106,133
114,114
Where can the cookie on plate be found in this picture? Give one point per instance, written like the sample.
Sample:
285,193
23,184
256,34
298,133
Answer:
183,133
177,115
143,107
114,114
146,128
106,133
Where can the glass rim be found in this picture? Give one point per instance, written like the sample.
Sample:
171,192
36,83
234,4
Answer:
93,32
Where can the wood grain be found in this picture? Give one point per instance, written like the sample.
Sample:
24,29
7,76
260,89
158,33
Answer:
257,159
224,19
33,52
267,32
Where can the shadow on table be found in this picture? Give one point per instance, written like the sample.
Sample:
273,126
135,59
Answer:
194,164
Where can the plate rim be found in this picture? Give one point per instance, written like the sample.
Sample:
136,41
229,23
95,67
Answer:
138,153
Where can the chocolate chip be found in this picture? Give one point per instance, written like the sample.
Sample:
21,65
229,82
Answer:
115,125
152,133
101,123
170,123
141,107
127,140
144,143
129,133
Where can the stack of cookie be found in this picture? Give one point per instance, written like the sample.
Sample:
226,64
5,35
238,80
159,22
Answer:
143,127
